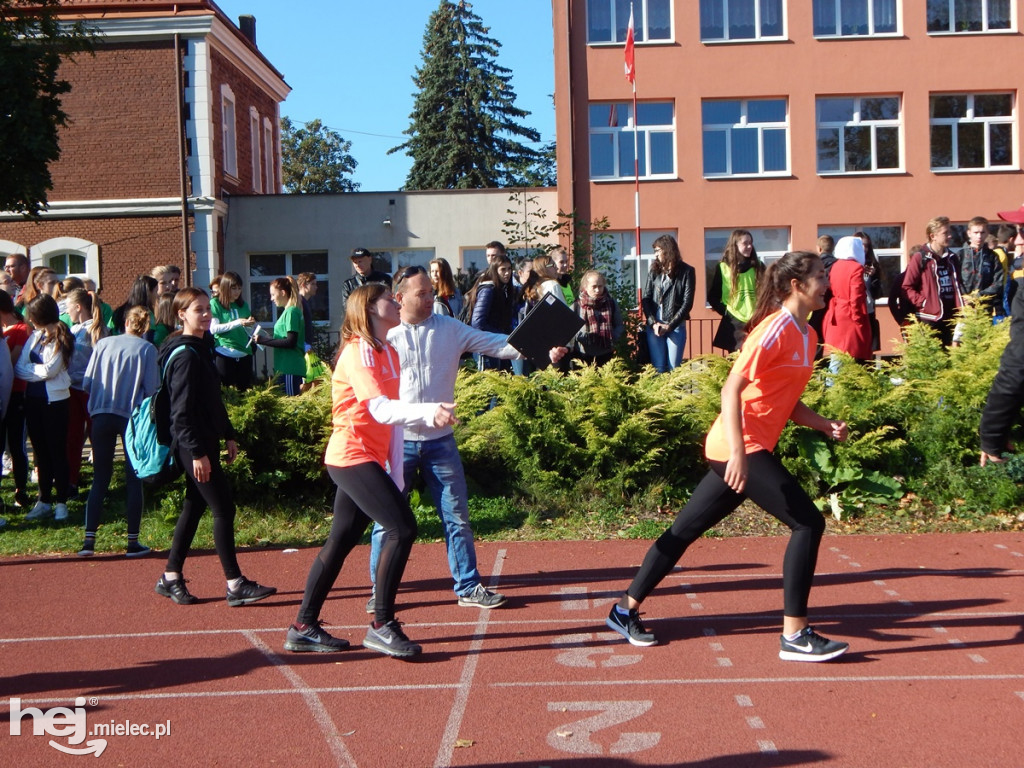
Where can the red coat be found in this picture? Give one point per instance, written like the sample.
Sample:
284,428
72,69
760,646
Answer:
846,327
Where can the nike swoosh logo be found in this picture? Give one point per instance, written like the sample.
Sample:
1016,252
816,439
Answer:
386,640
807,648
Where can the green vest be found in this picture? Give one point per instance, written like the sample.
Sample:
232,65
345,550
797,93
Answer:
741,306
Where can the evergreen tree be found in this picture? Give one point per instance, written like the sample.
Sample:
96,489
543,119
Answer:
464,121
315,159
32,46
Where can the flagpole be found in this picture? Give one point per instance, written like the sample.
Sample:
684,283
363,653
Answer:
631,77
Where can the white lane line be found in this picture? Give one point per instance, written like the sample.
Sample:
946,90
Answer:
316,707
760,680
1020,693
977,658
767,747
743,701
755,723
458,710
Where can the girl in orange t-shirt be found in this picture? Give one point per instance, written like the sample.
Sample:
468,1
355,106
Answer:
761,394
366,415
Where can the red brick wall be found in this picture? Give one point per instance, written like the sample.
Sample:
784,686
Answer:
128,246
247,94
122,136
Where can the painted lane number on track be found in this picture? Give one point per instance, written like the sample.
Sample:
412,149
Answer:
575,736
577,654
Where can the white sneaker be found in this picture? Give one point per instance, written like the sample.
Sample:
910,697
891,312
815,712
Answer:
60,511
39,511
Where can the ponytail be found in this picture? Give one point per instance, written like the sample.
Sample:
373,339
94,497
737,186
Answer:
777,284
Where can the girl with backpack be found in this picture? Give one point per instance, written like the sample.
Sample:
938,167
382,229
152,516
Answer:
43,364
198,423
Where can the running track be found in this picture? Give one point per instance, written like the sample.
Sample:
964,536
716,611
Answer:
934,677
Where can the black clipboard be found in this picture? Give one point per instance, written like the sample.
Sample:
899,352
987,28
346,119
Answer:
549,324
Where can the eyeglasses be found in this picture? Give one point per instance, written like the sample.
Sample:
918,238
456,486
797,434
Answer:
408,272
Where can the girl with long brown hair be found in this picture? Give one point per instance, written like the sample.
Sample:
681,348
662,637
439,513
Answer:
733,291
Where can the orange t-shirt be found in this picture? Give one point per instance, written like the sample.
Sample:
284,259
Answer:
362,374
777,359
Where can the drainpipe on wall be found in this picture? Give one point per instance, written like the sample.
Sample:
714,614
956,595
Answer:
186,266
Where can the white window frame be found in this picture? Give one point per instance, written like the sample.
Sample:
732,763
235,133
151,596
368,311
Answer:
860,122
746,123
254,148
405,257
882,254
9,248
870,5
640,21
970,119
229,130
622,244
39,255
617,132
758,37
985,30
268,156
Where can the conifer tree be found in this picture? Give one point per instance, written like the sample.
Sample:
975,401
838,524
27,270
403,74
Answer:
464,131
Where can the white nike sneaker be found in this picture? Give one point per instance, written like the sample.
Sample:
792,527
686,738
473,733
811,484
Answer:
810,646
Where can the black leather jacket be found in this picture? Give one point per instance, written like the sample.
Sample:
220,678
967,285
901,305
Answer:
676,300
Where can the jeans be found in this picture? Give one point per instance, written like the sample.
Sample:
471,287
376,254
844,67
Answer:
666,351
441,466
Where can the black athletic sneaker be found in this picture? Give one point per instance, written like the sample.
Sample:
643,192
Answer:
630,627
390,639
175,590
88,548
135,549
810,646
312,637
248,592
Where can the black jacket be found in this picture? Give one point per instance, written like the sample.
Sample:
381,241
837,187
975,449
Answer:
676,301
199,420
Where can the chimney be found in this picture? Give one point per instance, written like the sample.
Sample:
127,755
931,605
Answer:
248,26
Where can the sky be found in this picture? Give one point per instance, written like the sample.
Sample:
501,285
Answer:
350,63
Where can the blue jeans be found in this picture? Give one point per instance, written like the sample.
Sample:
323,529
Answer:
666,351
441,466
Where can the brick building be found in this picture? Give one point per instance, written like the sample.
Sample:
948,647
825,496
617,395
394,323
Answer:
789,118
176,111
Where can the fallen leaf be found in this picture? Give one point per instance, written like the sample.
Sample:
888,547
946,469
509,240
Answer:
463,743
563,734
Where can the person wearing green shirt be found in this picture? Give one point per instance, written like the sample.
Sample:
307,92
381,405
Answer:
231,316
289,338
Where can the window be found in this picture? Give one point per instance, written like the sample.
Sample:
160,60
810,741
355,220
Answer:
612,145
67,256
972,131
968,15
268,155
620,247
227,117
406,257
607,20
851,18
741,20
769,242
745,138
254,139
265,267
888,244
859,134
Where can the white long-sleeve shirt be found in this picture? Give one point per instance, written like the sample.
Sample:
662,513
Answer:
429,353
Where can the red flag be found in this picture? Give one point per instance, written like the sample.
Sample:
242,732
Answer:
630,62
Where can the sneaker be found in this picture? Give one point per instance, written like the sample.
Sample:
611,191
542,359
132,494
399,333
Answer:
482,597
810,646
40,511
176,590
60,511
371,604
390,639
21,499
88,548
312,637
248,592
135,549
630,627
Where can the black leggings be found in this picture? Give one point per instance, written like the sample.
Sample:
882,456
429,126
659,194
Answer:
365,493
48,430
215,493
769,486
234,371
14,439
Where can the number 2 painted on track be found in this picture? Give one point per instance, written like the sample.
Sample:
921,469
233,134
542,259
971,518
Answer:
574,737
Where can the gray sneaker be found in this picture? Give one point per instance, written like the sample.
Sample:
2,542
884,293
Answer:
481,597
371,604
390,639
312,637
39,511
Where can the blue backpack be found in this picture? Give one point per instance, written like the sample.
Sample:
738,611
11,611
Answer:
147,436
